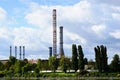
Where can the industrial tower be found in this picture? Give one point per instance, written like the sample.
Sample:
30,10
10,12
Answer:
10,50
23,52
54,34
16,52
61,42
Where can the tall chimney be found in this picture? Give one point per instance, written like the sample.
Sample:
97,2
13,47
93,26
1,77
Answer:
54,34
61,41
10,50
20,52
50,51
16,52
23,52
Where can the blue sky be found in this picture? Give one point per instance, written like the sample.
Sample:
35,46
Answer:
86,22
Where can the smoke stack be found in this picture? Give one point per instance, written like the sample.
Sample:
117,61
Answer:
20,52
23,52
16,52
54,34
10,50
50,51
61,41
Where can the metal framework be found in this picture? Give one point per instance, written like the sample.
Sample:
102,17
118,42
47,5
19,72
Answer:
54,34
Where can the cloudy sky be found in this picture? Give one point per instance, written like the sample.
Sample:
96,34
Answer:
86,22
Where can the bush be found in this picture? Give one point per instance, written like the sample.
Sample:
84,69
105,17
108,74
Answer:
81,73
2,74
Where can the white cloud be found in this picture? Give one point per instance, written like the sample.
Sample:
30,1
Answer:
2,14
33,56
80,12
75,38
85,14
116,16
98,29
2,57
29,37
5,19
5,33
115,34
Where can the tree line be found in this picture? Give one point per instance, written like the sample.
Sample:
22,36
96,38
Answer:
16,67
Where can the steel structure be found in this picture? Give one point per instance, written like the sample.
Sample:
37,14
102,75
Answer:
23,52
61,52
10,50
50,51
16,52
54,33
20,52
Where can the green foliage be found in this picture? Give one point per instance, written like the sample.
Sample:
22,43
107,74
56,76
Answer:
81,63
18,66
53,62
26,68
115,66
2,74
82,73
85,61
64,63
12,60
74,58
101,58
1,66
39,64
58,74
7,65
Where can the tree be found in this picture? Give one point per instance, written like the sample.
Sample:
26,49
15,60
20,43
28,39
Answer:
53,62
115,63
18,66
104,58
1,66
64,63
85,61
12,60
101,58
7,65
74,58
39,65
81,63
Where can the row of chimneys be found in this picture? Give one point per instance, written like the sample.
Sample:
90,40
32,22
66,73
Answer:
20,52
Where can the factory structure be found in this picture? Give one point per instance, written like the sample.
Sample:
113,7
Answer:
53,50
21,52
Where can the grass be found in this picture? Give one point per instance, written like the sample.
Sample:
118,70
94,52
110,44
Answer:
58,74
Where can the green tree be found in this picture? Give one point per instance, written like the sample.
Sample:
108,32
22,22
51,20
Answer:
115,63
64,63
101,58
85,61
53,62
7,65
104,58
18,66
74,58
81,63
1,66
39,64
12,60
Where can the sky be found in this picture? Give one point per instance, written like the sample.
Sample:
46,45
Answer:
86,22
